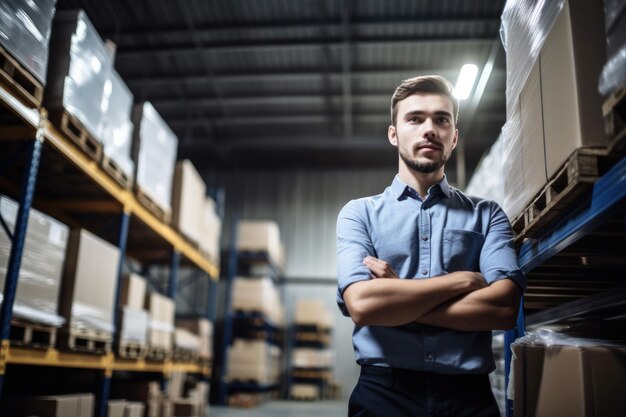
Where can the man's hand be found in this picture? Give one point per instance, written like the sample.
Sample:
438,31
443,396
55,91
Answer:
380,268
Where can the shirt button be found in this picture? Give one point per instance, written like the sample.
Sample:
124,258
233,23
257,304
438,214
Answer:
429,356
424,271
424,237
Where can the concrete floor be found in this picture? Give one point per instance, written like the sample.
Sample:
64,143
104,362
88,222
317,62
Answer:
286,409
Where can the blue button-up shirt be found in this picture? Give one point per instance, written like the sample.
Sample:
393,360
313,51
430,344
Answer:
446,232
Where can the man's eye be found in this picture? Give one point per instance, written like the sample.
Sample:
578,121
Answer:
443,120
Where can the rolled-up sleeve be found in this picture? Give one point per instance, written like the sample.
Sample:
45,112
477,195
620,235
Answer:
498,259
353,244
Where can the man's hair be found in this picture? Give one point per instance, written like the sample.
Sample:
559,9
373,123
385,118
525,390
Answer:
423,84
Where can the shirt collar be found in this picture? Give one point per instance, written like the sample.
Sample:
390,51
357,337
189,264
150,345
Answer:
398,187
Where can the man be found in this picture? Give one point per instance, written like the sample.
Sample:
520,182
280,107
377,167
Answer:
426,273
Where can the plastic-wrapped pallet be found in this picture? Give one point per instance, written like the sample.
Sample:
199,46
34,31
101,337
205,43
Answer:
184,339
553,50
79,68
154,153
37,297
253,360
488,179
117,128
258,295
25,33
614,72
89,281
312,358
161,326
557,375
133,325
203,328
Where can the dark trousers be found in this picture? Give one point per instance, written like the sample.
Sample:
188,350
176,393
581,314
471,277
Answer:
393,392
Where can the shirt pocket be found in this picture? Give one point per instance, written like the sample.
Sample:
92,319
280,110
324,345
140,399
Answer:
461,250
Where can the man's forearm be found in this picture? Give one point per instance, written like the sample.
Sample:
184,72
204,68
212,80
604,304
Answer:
394,302
491,308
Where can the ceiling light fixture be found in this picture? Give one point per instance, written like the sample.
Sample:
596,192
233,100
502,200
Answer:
466,80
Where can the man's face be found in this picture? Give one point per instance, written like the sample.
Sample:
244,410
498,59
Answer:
424,134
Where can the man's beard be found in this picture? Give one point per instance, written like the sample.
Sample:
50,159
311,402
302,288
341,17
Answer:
424,167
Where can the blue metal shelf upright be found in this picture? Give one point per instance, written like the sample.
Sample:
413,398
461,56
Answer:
606,201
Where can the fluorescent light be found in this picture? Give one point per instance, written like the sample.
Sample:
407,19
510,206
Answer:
465,83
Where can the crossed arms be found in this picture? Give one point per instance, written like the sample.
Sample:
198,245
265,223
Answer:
460,300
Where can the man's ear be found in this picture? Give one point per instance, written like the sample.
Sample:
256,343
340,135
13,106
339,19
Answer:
392,136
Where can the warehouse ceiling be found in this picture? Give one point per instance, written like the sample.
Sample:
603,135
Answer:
300,83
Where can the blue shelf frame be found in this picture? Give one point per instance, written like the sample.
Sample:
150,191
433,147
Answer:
608,196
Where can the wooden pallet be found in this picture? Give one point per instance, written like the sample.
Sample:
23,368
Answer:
158,354
185,355
18,80
131,350
246,399
162,214
614,112
113,169
39,336
71,127
85,340
577,176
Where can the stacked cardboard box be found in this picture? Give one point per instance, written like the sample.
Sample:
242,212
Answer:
203,329
211,225
134,319
154,154
553,107
188,195
89,282
161,326
261,236
253,360
570,380
37,296
258,295
25,28
313,312
189,398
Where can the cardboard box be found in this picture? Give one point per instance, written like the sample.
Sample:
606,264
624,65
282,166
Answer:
572,58
260,236
188,195
313,312
134,409
89,281
133,291
212,231
116,408
556,381
203,328
86,405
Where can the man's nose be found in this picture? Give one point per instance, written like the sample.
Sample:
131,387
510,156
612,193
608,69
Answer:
429,127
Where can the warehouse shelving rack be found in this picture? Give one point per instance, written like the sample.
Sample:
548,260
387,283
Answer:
238,261
589,229
79,193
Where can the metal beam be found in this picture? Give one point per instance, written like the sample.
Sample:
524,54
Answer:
205,29
346,63
136,80
259,45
